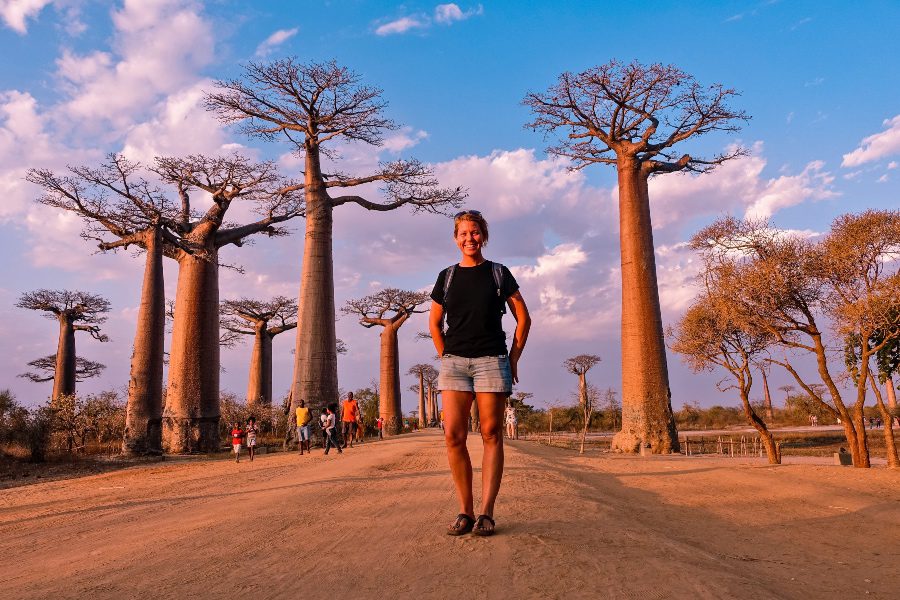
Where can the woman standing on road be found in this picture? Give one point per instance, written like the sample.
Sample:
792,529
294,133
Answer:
475,364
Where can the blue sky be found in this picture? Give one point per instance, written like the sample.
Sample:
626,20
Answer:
91,77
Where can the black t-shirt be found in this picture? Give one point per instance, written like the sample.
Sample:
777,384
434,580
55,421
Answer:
472,312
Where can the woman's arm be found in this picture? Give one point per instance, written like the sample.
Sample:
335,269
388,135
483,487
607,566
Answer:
523,325
434,326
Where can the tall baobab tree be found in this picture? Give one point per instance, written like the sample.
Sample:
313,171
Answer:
425,410
314,108
767,397
580,365
74,311
262,320
120,208
388,309
84,369
632,116
191,416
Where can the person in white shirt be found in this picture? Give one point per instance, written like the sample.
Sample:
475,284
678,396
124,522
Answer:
330,415
512,422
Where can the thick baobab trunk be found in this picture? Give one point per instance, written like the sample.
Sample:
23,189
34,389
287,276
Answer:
64,376
191,416
422,420
770,412
259,387
143,412
315,362
646,399
389,401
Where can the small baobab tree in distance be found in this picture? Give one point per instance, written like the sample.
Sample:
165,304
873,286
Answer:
425,410
580,365
315,107
75,311
632,116
191,416
388,309
262,320
121,208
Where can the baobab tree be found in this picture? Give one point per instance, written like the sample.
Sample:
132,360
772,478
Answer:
74,311
425,410
262,320
191,416
316,107
120,208
46,367
388,309
633,116
431,404
706,337
580,365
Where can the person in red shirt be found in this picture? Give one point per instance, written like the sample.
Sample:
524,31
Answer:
349,416
379,425
237,436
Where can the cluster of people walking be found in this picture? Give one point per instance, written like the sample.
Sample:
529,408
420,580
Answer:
351,426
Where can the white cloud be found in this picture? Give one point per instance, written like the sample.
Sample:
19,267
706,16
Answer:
448,13
15,13
401,25
275,40
160,47
405,138
813,183
445,14
892,165
876,146
883,179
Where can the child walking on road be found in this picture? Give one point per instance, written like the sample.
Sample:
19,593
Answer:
237,436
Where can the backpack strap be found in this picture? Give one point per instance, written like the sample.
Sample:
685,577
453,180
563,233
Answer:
448,278
497,270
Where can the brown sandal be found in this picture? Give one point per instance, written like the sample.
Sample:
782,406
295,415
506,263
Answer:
462,525
479,528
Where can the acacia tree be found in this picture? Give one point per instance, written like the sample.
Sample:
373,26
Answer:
262,320
74,311
785,285
120,208
46,367
315,107
388,309
419,370
191,416
706,337
633,116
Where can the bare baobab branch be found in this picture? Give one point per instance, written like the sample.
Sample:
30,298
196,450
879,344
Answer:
84,369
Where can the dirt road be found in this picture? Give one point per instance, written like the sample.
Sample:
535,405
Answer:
370,523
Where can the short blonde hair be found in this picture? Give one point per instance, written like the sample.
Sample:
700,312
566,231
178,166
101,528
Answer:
475,217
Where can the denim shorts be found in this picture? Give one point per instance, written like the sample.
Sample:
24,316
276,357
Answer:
482,374
302,433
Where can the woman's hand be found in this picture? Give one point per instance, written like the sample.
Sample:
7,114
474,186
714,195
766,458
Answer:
514,369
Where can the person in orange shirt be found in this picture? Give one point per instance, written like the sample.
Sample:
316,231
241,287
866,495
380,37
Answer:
349,416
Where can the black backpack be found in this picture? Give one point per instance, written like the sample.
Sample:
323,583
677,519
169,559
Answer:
496,271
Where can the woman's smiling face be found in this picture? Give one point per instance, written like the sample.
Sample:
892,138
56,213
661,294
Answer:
469,238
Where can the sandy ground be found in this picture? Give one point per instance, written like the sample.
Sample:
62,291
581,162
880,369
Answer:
370,523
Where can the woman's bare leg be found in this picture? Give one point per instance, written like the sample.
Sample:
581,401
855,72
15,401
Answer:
456,428
490,411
